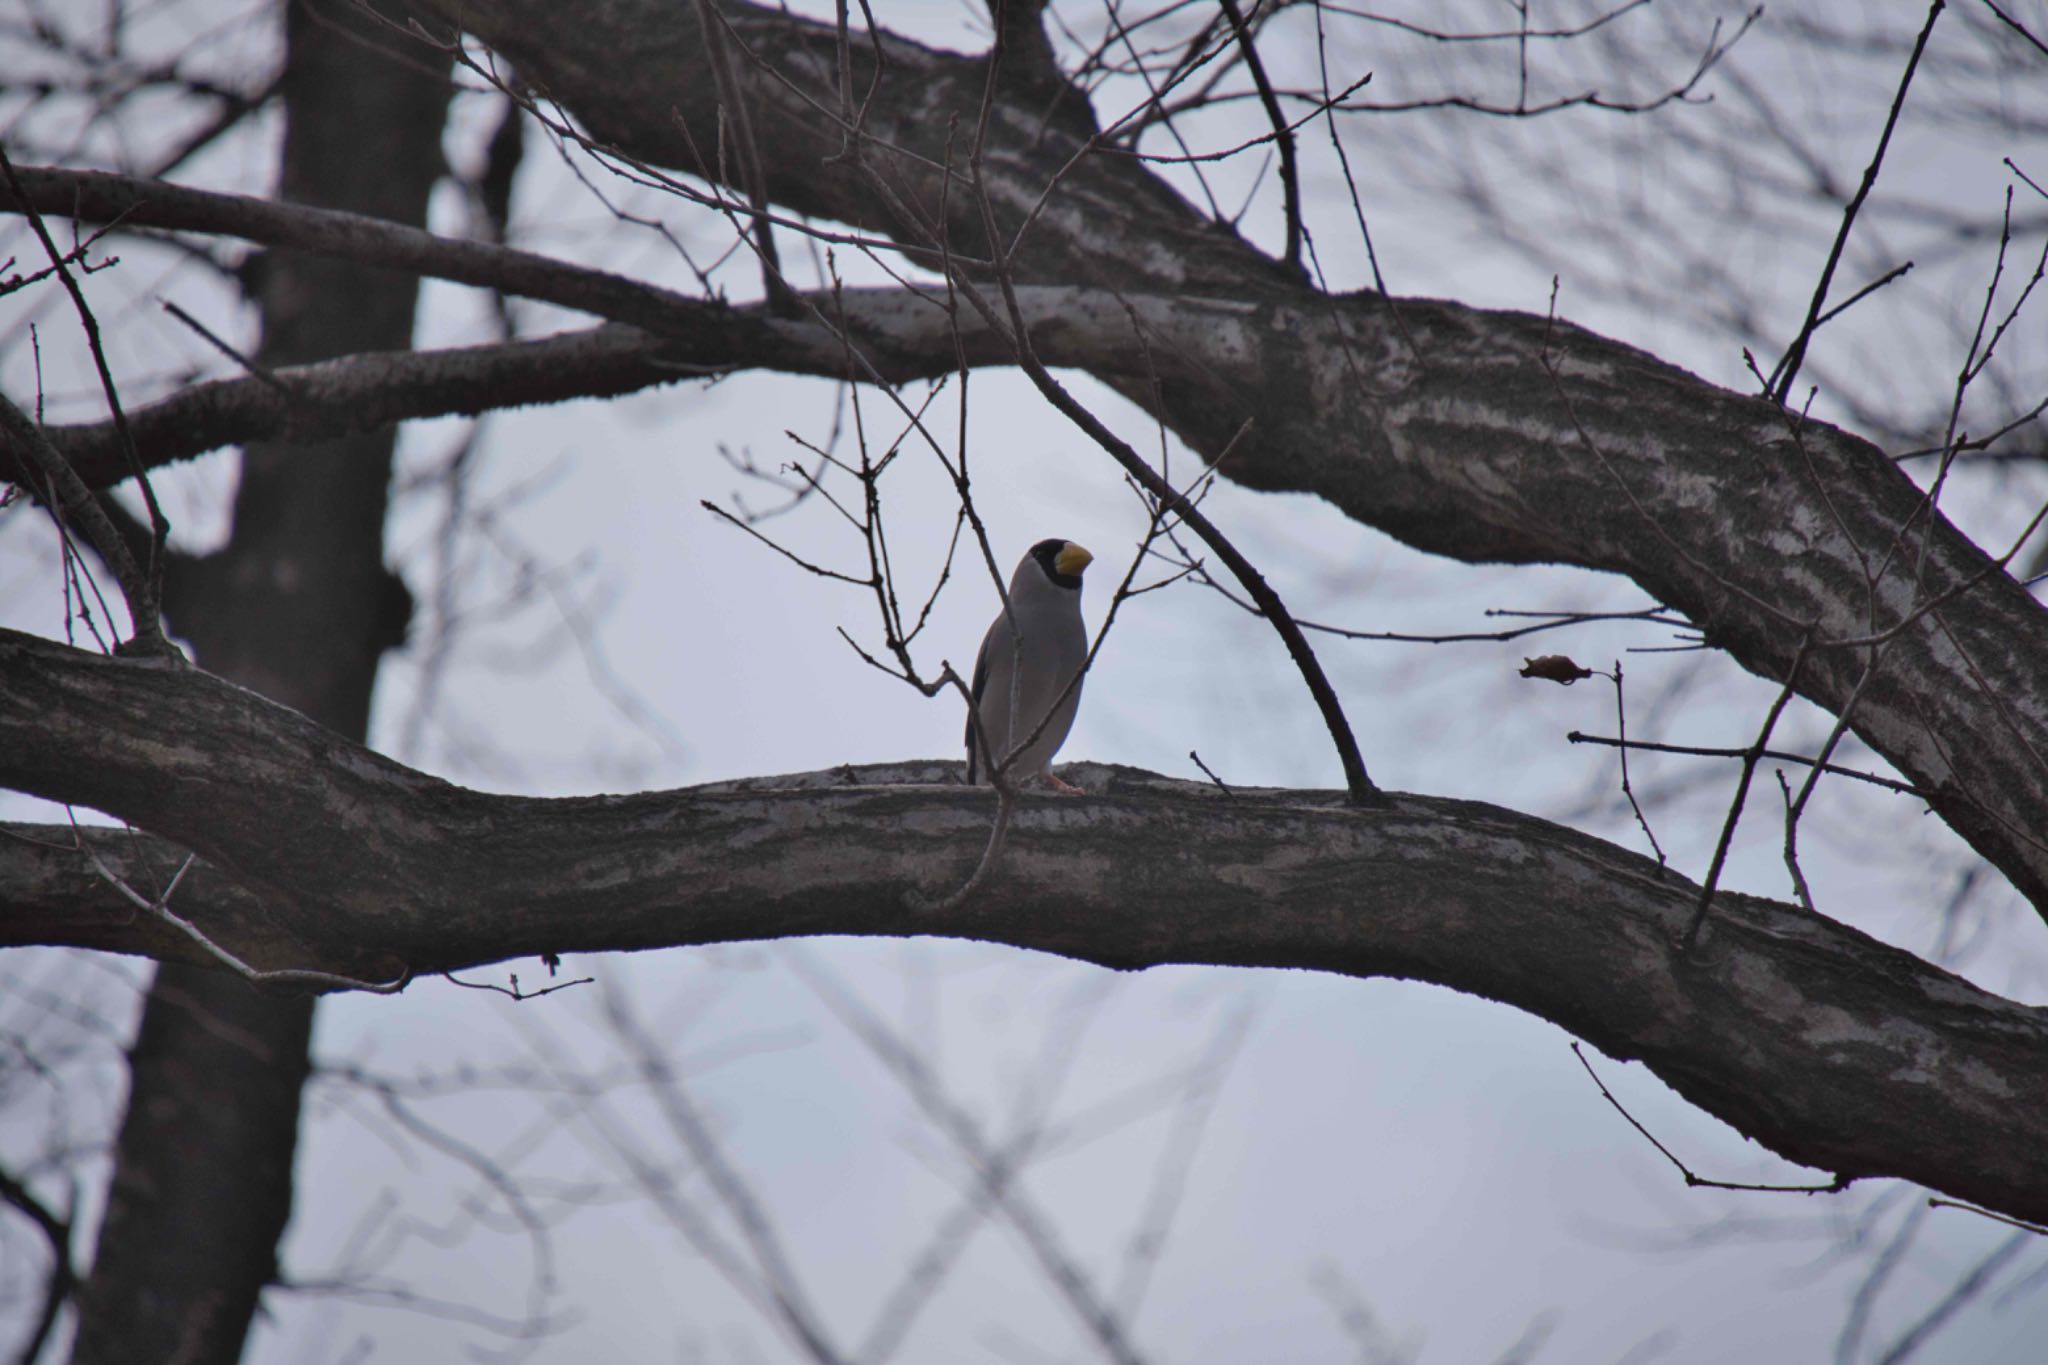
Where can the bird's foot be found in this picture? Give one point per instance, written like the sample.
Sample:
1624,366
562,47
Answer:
1062,786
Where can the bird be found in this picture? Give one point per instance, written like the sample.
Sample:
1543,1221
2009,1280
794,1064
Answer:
1020,677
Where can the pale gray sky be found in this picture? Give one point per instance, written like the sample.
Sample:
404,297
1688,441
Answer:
1445,1158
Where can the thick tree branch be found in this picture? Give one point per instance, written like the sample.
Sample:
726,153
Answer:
319,853
1487,436
367,392
905,334
1478,455
1481,435
662,107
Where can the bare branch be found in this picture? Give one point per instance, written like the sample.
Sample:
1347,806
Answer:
1692,1181
388,862
1290,174
1795,355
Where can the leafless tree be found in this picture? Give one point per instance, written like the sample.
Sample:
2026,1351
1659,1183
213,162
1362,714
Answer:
1152,198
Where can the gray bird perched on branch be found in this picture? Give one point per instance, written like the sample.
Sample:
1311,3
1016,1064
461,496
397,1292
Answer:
1021,677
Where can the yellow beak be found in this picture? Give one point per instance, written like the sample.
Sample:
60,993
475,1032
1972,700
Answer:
1072,559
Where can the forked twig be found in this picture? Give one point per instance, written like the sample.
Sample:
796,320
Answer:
1775,755
142,589
1290,173
1795,354
1750,757
159,907
1692,1181
1621,728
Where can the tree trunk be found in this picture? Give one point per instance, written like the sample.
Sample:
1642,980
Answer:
299,606
1796,547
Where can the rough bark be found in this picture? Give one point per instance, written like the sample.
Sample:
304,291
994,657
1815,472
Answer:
1497,437
1481,435
300,605
1828,1047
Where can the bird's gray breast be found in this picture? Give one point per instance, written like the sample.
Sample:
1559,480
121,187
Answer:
1027,673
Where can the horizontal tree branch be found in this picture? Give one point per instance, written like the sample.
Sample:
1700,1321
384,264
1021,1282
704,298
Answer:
1487,436
905,335
363,393
320,854
1612,460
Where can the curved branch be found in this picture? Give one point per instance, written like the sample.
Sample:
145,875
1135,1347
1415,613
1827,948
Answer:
1480,453
325,855
904,334
1283,135
1488,436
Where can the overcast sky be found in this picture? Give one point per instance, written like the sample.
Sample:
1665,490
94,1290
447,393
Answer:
1440,1163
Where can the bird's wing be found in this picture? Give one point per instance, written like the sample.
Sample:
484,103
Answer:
975,689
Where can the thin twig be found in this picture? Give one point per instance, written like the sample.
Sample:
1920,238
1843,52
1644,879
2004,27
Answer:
160,908
1750,758
260,371
1779,755
1621,725
1067,1276
1692,1181
1290,172
1792,868
1357,782
2017,27
733,107
149,633
1936,1202
1224,786
999,830
74,503
1896,272
514,990
1795,354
